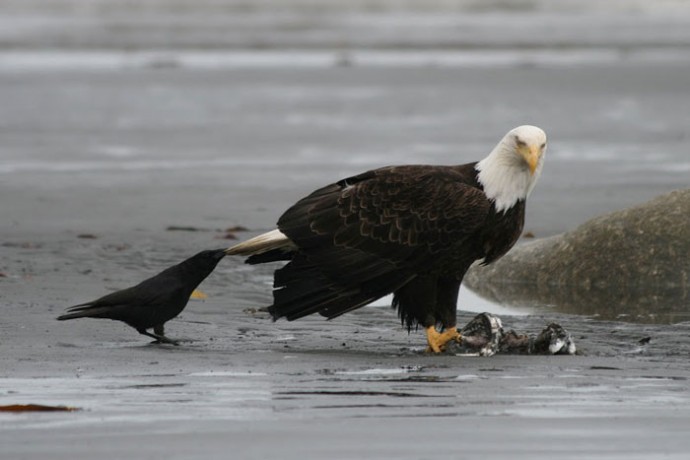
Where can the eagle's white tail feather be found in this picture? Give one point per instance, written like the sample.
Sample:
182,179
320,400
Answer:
265,242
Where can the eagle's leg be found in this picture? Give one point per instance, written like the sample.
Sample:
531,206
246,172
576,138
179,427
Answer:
158,334
438,340
444,313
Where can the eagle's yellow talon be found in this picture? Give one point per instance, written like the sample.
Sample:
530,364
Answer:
438,340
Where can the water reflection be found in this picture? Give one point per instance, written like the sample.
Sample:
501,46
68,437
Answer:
650,305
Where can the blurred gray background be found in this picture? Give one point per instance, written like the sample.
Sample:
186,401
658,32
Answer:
228,111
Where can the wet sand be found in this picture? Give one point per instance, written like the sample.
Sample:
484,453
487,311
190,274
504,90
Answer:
97,160
358,386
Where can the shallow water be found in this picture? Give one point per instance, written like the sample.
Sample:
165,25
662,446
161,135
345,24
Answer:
646,304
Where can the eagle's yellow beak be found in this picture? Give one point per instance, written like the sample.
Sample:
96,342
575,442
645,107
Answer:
531,154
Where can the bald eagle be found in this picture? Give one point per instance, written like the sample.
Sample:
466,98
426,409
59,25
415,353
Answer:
410,230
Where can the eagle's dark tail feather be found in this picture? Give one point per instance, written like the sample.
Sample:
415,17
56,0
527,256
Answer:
303,289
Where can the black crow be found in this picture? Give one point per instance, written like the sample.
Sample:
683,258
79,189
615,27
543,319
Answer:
154,301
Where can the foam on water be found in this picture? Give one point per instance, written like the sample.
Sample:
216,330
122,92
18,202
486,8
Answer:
394,371
105,60
66,166
227,374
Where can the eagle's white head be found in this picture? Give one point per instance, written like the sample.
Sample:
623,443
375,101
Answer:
510,172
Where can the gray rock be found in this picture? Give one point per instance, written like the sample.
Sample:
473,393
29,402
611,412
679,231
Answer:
630,262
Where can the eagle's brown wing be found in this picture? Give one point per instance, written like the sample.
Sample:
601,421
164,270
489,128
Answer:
368,235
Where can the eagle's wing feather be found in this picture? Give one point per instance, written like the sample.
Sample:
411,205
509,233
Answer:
368,235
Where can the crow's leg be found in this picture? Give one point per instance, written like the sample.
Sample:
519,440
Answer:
158,334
